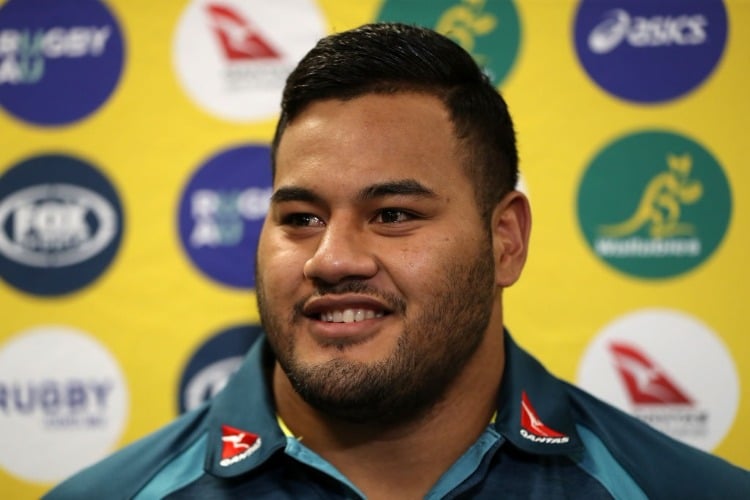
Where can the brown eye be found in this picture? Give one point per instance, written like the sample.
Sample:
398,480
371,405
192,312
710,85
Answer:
393,216
301,220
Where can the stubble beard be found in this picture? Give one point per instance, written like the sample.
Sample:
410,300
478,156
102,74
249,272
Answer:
431,352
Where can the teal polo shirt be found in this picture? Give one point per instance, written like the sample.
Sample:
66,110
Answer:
549,440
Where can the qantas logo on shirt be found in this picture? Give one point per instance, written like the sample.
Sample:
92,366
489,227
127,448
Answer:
239,40
532,427
238,445
646,383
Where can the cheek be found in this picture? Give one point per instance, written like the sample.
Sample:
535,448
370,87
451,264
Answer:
280,266
417,267
263,248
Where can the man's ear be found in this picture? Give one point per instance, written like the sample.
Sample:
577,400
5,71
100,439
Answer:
511,225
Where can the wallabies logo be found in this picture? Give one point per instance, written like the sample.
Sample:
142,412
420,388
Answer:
489,31
654,204
660,207
464,23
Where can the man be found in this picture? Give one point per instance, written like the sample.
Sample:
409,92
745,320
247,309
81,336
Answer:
386,372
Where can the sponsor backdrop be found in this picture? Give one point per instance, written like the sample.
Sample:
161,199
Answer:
134,177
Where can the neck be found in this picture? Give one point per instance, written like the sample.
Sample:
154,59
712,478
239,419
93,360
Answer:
406,459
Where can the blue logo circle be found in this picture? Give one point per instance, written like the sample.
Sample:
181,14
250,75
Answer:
649,52
61,223
59,59
213,363
221,213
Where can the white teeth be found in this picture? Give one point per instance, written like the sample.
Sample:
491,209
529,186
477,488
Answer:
349,315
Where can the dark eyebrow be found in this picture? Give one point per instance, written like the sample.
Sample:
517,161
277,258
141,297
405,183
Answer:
406,187
294,193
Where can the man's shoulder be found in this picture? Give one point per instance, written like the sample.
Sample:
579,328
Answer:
662,466
123,474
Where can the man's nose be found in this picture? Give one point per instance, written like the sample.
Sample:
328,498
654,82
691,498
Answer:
342,253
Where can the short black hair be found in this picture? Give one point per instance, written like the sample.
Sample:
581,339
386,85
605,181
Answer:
388,58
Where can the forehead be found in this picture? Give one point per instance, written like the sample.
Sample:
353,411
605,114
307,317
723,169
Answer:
370,139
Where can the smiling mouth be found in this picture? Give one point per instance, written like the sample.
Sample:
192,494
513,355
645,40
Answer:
349,315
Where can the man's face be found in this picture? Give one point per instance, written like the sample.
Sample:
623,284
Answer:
375,270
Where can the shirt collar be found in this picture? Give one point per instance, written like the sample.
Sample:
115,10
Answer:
242,428
533,413
533,408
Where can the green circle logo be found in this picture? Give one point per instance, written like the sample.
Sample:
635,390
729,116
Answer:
654,204
488,29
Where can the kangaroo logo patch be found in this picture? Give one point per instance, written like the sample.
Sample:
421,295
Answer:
654,204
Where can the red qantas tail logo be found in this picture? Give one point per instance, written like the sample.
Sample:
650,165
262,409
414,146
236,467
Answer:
237,37
533,428
646,383
238,445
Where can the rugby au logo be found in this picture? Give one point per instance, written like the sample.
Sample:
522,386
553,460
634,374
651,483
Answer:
55,225
59,61
222,210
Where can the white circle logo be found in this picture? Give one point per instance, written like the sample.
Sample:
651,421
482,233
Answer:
667,369
63,403
233,57
51,227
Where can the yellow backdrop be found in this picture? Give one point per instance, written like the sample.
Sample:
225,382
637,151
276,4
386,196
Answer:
151,307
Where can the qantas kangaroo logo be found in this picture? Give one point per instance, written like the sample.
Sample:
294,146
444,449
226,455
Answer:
646,383
238,445
239,40
532,427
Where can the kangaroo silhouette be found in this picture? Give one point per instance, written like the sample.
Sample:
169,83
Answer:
661,204
464,22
